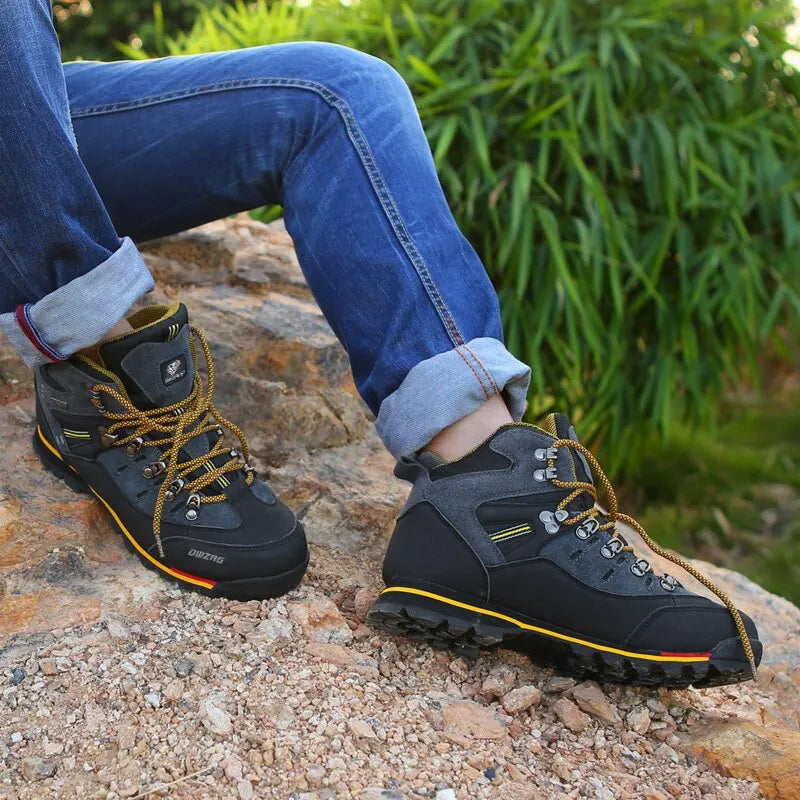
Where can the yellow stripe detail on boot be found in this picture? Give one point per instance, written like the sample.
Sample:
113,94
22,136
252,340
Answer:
510,532
544,631
139,548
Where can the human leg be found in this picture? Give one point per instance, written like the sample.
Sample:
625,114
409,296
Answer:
65,276
332,134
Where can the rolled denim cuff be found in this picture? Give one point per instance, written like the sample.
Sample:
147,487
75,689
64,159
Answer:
76,315
441,390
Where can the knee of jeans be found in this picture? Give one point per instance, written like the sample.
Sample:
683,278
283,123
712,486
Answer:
352,75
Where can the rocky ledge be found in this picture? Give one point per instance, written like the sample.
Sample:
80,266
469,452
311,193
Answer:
116,684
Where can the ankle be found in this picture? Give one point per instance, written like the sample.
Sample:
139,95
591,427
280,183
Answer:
463,435
120,329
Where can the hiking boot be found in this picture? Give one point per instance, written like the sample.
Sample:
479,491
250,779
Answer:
138,429
506,547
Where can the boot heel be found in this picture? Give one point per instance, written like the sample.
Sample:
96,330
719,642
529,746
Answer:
56,466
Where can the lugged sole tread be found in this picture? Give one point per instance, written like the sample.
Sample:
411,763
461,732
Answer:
436,626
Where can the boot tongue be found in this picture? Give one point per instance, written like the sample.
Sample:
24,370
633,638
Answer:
559,426
154,362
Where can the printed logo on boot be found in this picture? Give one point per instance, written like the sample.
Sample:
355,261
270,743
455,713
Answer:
173,370
206,556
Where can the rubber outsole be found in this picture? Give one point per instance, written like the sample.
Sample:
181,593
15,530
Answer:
262,588
443,625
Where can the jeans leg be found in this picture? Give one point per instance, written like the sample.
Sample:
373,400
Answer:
332,134
54,230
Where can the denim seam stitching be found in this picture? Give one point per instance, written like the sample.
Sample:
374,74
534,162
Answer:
482,367
474,372
52,352
358,140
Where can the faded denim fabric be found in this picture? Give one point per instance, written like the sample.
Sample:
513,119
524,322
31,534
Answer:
330,133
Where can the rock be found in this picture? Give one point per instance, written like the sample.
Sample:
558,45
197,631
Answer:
744,750
279,714
320,619
173,691
48,666
445,794
233,767
638,720
315,774
363,601
245,790
116,628
17,676
126,737
154,698
214,718
521,699
570,715
499,681
271,634
558,684
184,667
590,698
361,729
472,721
381,794
37,769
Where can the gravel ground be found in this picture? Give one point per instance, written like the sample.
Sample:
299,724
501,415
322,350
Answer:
187,697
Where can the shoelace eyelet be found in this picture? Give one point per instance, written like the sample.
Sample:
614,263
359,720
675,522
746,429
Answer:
552,520
587,528
134,446
545,474
192,506
542,453
611,548
156,468
96,399
668,583
173,490
106,439
640,567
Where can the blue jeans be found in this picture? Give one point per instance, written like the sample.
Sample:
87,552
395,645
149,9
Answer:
95,156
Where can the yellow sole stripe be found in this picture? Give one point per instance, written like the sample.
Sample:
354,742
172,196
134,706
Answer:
544,631
139,549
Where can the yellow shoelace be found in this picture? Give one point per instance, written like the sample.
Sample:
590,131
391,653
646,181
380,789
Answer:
613,514
174,421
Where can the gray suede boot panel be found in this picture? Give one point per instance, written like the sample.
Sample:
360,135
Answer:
132,483
458,497
593,569
75,400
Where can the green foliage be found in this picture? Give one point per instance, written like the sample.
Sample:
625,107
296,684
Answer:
91,29
627,170
733,498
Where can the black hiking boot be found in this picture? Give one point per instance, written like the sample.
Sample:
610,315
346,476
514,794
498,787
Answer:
505,547
138,430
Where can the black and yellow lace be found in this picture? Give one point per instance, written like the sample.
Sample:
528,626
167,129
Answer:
170,428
